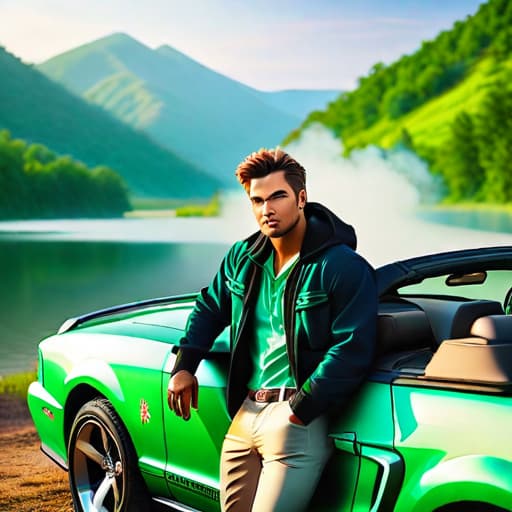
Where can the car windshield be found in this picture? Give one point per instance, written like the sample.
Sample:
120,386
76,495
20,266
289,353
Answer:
494,287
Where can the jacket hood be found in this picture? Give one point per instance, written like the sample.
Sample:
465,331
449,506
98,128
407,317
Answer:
323,229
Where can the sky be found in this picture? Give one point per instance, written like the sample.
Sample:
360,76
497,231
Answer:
266,44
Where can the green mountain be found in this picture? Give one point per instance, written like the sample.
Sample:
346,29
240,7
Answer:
36,109
450,102
205,117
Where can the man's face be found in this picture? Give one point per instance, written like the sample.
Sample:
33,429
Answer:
274,204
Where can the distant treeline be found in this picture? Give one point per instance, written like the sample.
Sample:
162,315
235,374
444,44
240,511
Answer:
37,183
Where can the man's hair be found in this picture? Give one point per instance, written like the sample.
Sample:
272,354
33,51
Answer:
266,161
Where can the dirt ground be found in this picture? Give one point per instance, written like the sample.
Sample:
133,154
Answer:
29,481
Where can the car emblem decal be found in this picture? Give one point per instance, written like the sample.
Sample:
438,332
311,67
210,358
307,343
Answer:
145,416
48,413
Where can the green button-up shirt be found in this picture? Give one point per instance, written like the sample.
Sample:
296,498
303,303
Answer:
268,350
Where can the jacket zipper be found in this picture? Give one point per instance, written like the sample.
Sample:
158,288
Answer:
245,308
290,297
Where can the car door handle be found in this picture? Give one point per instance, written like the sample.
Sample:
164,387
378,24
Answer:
347,441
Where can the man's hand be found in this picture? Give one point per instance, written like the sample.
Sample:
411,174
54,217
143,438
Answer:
182,392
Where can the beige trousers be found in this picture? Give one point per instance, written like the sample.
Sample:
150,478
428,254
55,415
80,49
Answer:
269,464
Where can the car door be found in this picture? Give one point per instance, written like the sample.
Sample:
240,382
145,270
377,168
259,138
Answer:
194,446
364,472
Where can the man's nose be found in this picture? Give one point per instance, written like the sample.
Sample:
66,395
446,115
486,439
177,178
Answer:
266,208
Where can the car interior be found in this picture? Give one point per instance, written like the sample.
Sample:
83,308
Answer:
439,338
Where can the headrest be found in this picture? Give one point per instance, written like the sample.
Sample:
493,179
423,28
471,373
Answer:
402,330
494,328
454,318
468,312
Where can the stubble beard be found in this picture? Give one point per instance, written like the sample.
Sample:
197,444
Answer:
280,234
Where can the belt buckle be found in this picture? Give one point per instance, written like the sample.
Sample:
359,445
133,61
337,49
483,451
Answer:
260,395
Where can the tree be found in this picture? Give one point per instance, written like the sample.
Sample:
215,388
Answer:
13,186
39,153
111,191
459,160
35,182
494,136
400,101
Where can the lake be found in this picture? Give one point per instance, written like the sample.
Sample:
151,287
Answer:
52,270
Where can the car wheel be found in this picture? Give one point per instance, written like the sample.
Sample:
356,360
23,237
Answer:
103,472
470,506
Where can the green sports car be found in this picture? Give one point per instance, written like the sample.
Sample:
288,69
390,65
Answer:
430,429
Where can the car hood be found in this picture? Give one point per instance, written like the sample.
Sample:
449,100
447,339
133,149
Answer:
146,318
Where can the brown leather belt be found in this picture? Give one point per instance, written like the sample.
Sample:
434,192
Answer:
271,394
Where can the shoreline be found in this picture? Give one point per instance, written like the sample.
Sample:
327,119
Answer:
468,207
15,385
496,218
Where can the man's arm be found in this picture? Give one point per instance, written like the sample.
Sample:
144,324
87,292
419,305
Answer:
353,298
211,314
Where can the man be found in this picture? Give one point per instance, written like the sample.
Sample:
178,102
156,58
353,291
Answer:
302,309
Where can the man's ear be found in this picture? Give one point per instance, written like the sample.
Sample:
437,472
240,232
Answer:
302,198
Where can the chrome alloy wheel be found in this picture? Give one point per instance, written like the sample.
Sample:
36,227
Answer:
98,468
103,467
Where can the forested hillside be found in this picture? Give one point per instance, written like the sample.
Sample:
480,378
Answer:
40,111
451,102
37,183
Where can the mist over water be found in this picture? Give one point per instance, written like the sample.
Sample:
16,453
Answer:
379,195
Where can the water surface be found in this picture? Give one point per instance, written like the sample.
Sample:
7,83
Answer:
52,270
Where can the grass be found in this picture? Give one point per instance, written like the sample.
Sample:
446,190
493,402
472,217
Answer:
472,206
156,207
211,209
155,203
17,384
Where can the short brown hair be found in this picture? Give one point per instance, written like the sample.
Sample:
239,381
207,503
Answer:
266,161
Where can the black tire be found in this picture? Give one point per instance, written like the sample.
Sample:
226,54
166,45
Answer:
103,472
470,506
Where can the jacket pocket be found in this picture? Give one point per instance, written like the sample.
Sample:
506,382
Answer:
312,310
310,299
237,290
